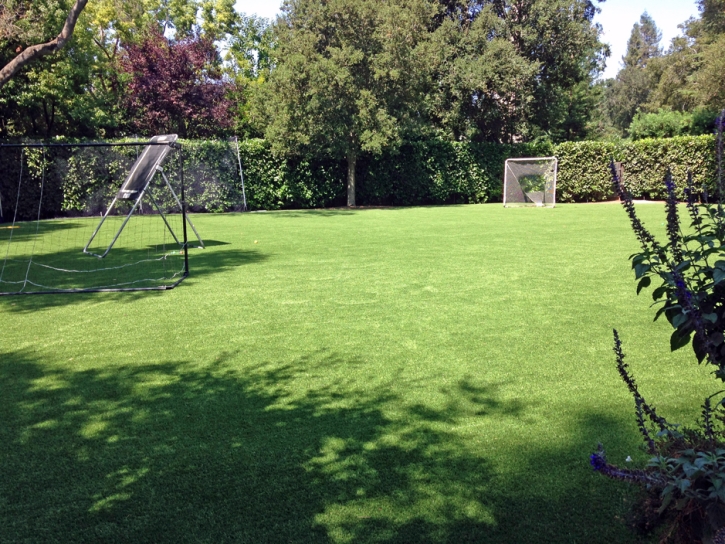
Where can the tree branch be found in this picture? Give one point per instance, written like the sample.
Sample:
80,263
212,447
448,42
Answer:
40,50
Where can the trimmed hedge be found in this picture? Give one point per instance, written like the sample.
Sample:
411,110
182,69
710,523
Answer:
438,172
584,174
646,162
419,172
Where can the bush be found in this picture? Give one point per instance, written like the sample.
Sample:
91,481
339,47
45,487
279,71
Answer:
584,175
439,172
685,476
663,124
668,124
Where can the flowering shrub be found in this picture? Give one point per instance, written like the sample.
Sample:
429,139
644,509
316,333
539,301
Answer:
685,476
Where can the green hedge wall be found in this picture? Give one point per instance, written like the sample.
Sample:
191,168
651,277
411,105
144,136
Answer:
438,172
584,174
646,163
418,172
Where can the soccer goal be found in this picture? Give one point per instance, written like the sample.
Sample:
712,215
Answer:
93,217
530,182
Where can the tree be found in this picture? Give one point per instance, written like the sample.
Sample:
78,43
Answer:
81,92
561,37
672,75
248,45
55,93
689,78
40,50
175,87
482,88
348,78
712,14
632,86
506,71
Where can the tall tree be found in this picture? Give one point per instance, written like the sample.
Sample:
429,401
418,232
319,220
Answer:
55,93
81,92
561,36
482,88
712,14
507,70
348,76
691,76
671,75
632,86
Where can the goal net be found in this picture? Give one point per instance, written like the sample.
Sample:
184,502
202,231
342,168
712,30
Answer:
530,182
93,217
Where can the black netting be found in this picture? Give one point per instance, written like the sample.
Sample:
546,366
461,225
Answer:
63,229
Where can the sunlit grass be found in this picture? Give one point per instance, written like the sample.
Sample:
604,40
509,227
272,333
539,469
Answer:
400,375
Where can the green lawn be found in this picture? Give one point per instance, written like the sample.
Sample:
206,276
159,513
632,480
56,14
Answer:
401,375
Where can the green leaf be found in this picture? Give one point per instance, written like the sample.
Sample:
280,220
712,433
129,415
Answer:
659,292
677,341
644,282
712,318
666,498
679,319
641,269
660,312
684,265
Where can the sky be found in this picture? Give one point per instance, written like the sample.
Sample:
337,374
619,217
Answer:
617,18
263,8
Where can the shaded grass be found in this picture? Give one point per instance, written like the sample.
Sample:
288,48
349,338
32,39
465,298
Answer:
403,375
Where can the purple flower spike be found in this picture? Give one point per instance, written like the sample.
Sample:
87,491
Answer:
597,461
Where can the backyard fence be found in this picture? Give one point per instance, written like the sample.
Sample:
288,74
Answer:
420,172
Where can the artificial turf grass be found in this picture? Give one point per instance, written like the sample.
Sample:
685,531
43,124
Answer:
424,374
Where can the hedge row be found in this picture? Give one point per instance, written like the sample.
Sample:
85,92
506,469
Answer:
418,172
584,174
421,172
443,172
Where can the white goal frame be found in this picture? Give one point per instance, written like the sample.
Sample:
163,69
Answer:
514,195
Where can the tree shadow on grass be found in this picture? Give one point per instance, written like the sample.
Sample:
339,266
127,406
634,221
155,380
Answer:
202,263
321,212
22,231
176,452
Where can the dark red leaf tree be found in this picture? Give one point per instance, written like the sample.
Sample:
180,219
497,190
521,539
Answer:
176,87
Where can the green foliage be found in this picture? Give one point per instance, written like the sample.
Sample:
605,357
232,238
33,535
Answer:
687,472
423,171
561,37
498,74
584,175
633,84
688,77
647,162
692,475
668,123
348,78
432,171
663,124
469,58
437,171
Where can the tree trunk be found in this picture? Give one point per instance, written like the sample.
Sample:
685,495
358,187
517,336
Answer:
351,162
40,50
